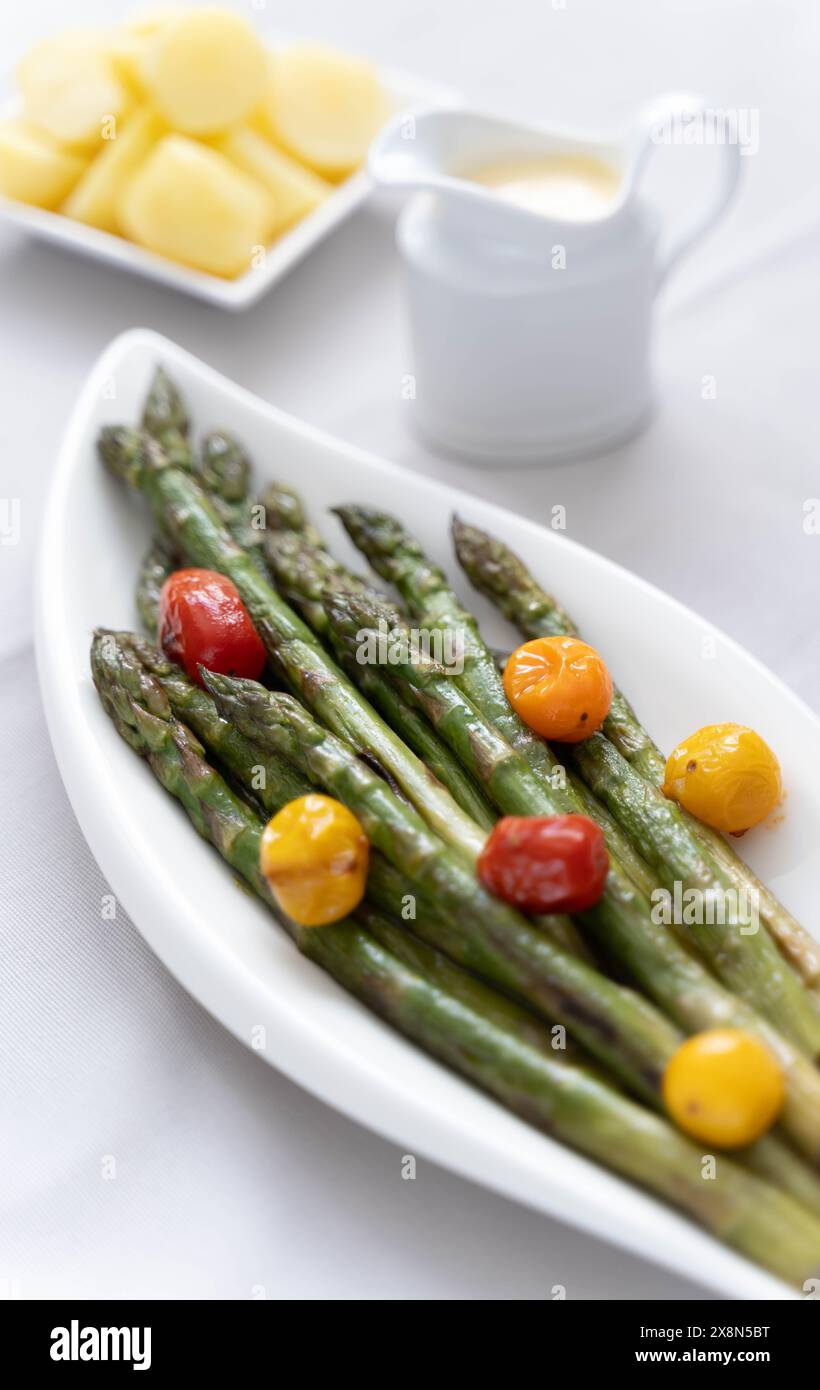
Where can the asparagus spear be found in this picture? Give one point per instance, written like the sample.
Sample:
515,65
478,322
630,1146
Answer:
485,934
224,467
131,663
187,515
399,559
224,471
750,965
747,961
129,667
496,572
284,512
303,570
157,563
486,1038
221,467
165,418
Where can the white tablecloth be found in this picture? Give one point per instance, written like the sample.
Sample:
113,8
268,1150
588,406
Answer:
226,1180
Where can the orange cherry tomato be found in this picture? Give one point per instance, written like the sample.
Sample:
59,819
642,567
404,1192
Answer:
203,620
560,687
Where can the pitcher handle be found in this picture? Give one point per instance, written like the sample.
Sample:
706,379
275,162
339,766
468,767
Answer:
654,121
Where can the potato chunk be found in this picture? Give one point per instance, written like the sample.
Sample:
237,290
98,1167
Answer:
33,168
70,89
205,71
189,203
295,190
95,198
325,108
126,54
146,22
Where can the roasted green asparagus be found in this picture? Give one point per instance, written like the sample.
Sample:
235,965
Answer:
476,1032
499,574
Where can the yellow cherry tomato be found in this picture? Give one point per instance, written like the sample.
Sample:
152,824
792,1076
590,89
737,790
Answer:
560,687
726,775
314,855
723,1087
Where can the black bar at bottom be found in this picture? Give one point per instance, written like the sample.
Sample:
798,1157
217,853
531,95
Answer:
160,1339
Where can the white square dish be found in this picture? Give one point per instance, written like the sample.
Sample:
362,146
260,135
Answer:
404,93
222,945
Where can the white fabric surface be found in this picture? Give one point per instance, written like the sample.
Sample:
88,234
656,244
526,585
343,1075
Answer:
229,1181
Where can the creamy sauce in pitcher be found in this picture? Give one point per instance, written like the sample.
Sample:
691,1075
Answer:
575,188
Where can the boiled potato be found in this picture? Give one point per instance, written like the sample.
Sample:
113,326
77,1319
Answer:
95,198
70,89
206,71
188,202
324,108
126,54
295,190
33,168
147,22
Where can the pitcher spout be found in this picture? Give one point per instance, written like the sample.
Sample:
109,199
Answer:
499,167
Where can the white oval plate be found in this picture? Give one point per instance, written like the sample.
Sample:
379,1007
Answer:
404,93
224,946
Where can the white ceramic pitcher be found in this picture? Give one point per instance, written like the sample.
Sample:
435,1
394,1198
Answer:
531,335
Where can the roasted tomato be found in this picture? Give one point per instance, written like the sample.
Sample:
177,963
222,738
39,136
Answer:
203,620
545,863
726,775
560,687
314,854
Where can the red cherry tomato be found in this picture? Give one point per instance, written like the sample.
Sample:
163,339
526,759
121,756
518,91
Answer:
203,619
545,863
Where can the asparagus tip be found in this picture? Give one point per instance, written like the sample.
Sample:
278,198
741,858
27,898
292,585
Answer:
228,690
283,508
111,443
126,452
224,466
353,515
164,408
365,607
468,541
217,685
